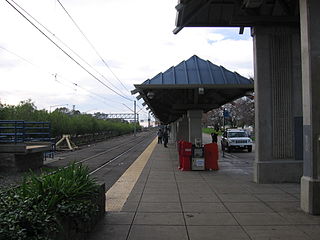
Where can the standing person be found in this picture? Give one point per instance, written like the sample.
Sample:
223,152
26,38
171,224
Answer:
165,137
159,134
214,137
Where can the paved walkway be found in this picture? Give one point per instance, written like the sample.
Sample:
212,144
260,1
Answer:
166,203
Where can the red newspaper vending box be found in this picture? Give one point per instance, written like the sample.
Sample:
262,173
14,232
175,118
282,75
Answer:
211,156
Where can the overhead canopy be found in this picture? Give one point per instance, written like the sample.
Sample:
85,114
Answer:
192,84
236,13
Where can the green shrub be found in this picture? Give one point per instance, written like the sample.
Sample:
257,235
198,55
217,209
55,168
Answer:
64,122
35,209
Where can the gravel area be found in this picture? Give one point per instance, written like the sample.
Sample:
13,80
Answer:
11,178
8,179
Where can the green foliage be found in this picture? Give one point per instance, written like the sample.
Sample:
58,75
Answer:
34,210
207,130
210,130
63,121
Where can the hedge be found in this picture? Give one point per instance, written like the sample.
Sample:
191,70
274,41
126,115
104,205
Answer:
64,122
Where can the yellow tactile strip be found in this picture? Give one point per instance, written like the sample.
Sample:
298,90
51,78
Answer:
117,195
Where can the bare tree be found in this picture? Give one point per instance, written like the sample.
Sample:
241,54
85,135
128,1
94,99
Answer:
240,113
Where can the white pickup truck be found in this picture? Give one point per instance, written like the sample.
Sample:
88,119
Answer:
236,139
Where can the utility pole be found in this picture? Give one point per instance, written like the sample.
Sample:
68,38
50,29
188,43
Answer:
134,121
224,119
148,119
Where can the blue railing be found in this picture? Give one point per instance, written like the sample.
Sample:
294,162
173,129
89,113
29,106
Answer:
18,131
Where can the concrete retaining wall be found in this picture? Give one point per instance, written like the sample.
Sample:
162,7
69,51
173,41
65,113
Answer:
20,162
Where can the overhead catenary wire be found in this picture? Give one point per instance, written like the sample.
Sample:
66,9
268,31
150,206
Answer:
104,99
141,109
65,45
93,95
90,43
64,51
18,56
34,65
55,75
127,107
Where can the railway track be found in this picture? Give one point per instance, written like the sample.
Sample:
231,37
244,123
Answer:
107,160
113,159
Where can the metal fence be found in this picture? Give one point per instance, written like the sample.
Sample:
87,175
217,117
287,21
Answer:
19,131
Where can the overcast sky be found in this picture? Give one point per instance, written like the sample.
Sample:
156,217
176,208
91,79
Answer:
134,37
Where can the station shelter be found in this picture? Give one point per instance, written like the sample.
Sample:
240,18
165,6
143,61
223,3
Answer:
180,95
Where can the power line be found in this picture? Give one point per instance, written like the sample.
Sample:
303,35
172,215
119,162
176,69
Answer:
141,109
17,56
34,65
77,26
79,64
65,45
127,107
56,79
104,99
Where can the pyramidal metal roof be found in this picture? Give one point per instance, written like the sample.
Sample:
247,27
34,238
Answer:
197,71
192,84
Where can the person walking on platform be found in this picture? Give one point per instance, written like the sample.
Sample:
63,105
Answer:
165,137
159,134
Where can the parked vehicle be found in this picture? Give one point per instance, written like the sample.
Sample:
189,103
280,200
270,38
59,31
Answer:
236,139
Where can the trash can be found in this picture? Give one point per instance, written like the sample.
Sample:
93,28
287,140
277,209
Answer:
211,156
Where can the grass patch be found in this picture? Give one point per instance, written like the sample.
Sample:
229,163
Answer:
211,130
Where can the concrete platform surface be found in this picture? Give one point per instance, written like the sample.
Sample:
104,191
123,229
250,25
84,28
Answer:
166,203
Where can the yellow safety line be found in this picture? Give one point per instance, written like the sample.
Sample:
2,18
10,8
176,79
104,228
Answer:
117,195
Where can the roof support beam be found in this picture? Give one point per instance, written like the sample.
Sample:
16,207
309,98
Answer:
192,15
194,106
241,30
247,20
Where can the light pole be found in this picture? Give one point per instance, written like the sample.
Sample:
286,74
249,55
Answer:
134,112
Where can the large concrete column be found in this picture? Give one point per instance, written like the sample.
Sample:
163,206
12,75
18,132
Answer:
173,132
278,104
310,52
183,129
195,125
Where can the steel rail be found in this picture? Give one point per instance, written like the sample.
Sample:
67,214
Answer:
113,159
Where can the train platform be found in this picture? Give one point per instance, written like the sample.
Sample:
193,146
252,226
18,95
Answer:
154,200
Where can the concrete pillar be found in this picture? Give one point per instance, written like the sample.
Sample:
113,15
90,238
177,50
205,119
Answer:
278,104
310,52
173,132
183,129
195,125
